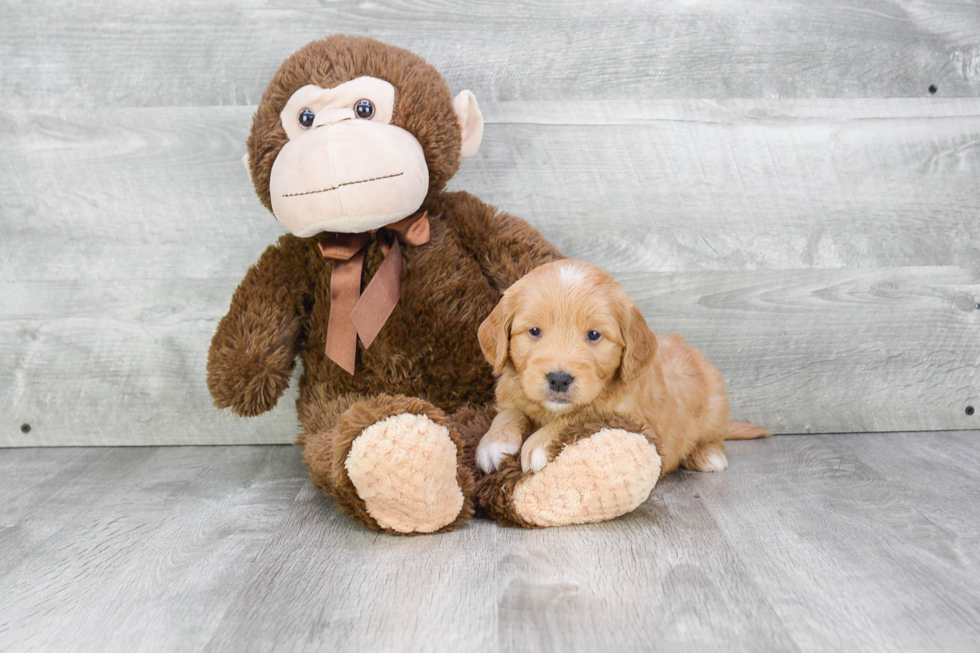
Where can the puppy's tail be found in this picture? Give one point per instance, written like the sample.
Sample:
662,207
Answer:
743,431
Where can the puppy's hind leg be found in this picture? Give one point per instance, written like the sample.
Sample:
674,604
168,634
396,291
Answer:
710,456
707,457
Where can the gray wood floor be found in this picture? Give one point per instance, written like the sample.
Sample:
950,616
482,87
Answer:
810,543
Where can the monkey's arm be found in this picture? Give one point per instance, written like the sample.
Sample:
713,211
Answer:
505,246
254,349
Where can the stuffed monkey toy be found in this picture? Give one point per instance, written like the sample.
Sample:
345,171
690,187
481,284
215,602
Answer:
380,288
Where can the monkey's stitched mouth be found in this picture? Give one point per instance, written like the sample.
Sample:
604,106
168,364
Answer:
347,183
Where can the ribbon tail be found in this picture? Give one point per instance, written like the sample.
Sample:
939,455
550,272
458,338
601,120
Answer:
345,282
379,298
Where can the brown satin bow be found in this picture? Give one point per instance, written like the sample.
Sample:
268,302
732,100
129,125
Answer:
353,313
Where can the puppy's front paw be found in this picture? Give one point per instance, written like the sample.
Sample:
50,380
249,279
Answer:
503,439
533,459
491,451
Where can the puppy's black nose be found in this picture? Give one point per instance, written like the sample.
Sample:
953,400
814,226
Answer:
559,381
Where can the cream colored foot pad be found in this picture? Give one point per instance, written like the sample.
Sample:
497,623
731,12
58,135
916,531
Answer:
599,478
404,469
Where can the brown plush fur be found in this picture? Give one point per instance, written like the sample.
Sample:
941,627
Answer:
325,451
448,286
541,327
426,359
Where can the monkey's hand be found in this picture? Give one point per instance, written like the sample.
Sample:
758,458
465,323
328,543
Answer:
252,355
254,349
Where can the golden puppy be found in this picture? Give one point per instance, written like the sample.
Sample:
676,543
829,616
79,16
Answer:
567,338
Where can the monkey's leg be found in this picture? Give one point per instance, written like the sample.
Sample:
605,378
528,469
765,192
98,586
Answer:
600,467
395,464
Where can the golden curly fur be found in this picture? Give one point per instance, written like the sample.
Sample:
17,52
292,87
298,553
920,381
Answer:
567,338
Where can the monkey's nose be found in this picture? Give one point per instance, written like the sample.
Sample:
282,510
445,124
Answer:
560,381
332,117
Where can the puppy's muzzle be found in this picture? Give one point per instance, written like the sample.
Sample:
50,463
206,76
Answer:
560,382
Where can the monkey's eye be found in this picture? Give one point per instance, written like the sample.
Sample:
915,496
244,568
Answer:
593,336
364,109
306,118
534,332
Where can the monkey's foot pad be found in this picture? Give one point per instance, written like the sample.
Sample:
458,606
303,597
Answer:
404,469
597,478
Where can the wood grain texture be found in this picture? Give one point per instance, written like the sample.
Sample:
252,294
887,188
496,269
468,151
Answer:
677,185
93,54
866,542
742,185
352,589
825,254
824,350
890,496
802,351
156,536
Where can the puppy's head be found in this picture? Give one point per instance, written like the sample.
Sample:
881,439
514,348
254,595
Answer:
565,331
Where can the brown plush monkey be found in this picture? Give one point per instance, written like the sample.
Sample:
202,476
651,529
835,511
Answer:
380,289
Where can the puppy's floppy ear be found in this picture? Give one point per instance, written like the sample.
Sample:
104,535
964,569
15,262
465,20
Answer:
641,344
494,334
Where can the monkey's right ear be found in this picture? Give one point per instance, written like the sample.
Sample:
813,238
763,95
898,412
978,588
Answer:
471,120
248,169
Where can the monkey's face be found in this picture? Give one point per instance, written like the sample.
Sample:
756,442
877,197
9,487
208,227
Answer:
346,168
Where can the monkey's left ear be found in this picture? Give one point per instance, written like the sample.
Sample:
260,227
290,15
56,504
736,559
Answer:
471,120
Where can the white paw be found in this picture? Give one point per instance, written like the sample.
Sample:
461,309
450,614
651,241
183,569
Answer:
489,453
716,461
536,461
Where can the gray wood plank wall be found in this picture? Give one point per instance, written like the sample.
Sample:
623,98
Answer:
775,182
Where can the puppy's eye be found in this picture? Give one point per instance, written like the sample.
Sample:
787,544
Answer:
534,332
593,336
306,118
